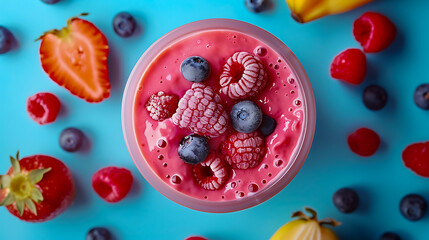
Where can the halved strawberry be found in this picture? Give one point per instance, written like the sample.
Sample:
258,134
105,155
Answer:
75,57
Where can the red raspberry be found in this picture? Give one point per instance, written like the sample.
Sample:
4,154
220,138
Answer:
244,150
162,106
212,173
364,142
112,183
43,107
195,238
416,158
200,110
374,32
243,76
349,66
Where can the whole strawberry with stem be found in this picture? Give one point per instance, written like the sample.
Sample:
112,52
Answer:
36,188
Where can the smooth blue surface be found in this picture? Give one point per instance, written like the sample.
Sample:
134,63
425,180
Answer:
381,180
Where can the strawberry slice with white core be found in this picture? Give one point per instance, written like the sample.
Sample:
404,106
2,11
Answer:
75,57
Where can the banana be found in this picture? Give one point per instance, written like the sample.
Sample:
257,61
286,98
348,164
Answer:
307,228
308,10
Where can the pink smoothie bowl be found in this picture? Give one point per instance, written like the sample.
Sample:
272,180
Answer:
298,156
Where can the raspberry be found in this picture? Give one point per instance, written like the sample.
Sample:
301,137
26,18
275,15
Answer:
374,32
364,142
195,238
161,106
200,111
349,66
416,158
112,183
243,76
244,150
43,107
212,173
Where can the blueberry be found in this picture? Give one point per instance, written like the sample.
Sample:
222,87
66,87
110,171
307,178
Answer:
421,96
374,97
256,5
195,69
50,1
267,126
193,149
71,139
246,116
6,40
390,236
413,207
98,233
346,200
124,24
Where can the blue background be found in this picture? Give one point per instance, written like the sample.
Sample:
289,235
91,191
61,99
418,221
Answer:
380,180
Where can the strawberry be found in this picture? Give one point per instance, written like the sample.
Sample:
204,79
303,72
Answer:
374,32
37,188
349,66
112,183
75,57
244,150
416,158
43,107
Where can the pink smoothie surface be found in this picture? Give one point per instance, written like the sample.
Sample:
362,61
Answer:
281,99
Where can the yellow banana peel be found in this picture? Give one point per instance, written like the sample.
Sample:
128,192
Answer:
308,10
306,228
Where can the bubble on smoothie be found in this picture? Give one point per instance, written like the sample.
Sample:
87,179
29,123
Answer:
140,88
233,184
160,156
205,197
290,109
260,51
278,73
264,181
291,80
234,36
223,197
292,92
276,156
164,164
240,194
279,60
253,187
168,176
278,163
176,179
198,41
269,174
208,46
297,102
161,143
276,67
270,65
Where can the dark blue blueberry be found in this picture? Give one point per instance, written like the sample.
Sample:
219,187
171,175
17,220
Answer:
390,236
413,207
6,40
124,24
346,200
193,149
256,5
374,97
50,1
71,139
195,69
267,126
98,233
421,96
246,116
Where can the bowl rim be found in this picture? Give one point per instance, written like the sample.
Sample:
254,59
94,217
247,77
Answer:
301,150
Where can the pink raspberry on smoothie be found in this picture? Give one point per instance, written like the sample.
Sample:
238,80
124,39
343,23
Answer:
243,76
212,173
162,106
244,150
201,111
